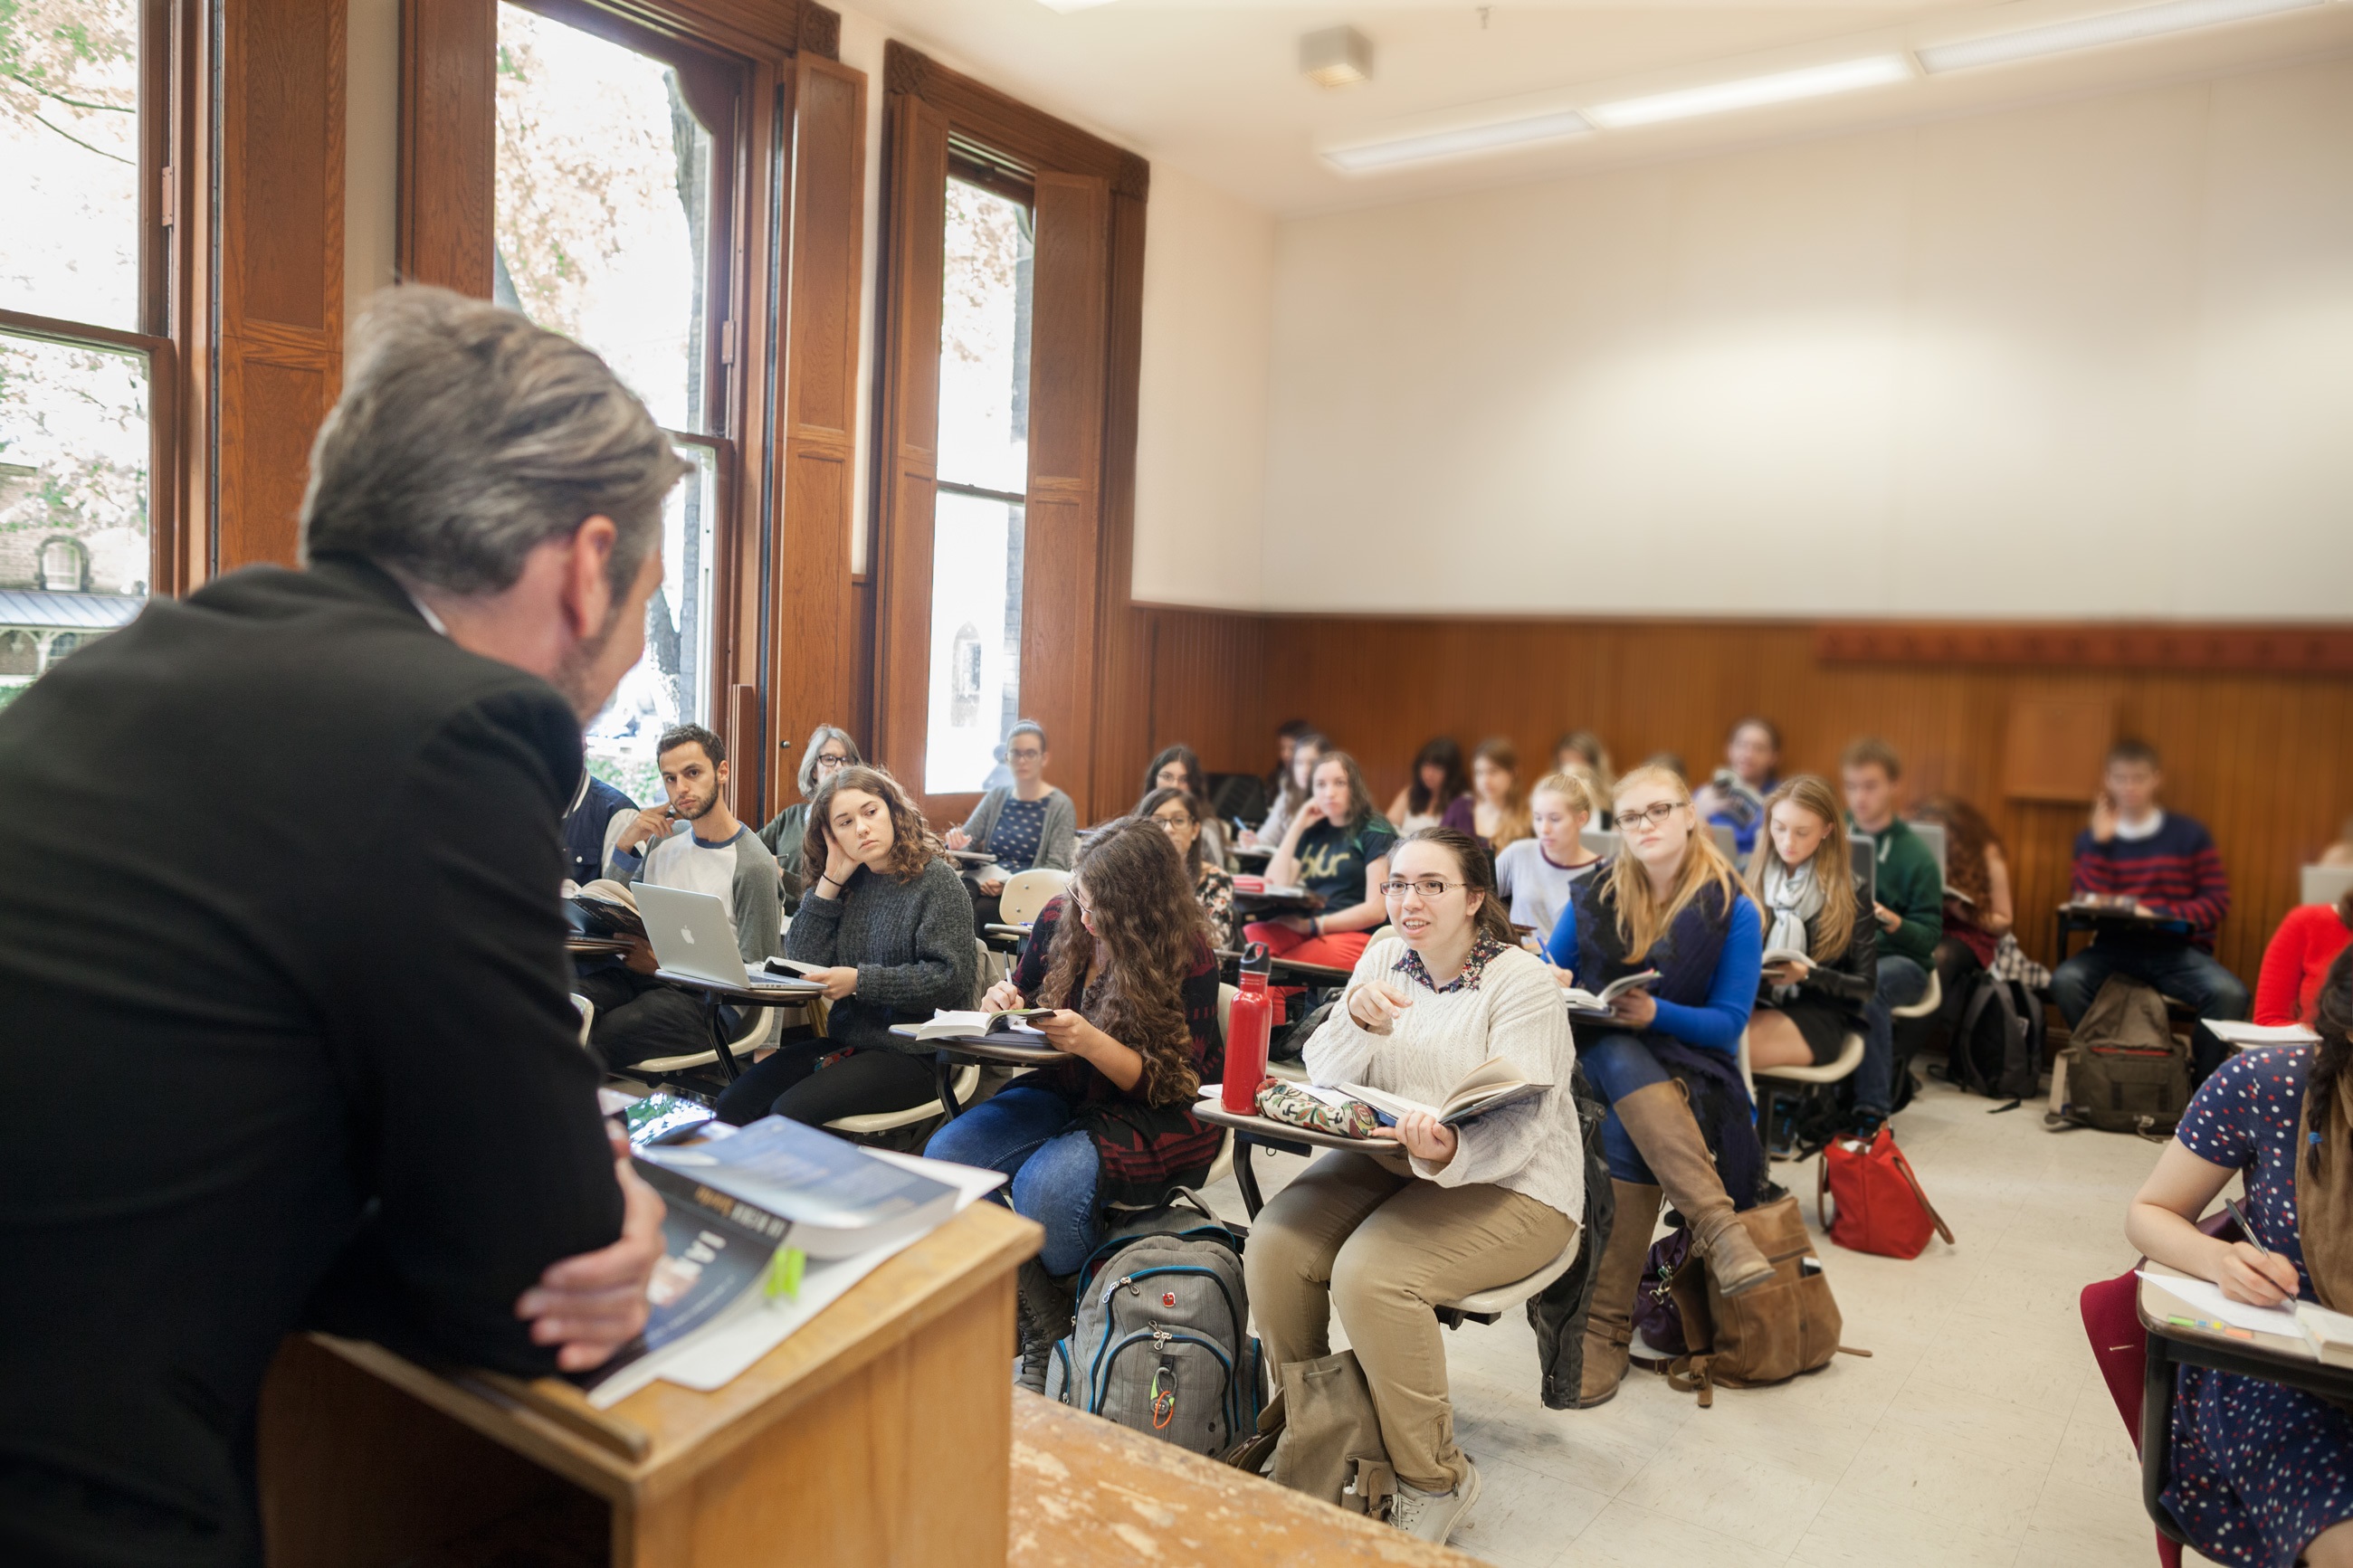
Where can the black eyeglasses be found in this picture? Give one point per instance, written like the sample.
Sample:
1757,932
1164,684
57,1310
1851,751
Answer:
1023,754
1655,815
827,762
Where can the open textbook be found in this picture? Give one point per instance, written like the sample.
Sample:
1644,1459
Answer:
1493,1083
1585,1003
2249,1036
952,1026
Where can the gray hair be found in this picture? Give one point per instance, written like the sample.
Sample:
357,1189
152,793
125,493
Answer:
466,436
807,777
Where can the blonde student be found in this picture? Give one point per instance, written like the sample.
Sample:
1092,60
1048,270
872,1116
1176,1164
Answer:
1802,876
1449,1209
1495,812
1536,874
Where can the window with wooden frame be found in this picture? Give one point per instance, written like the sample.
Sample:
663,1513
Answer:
1011,311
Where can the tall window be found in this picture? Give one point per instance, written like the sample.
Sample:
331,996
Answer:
82,328
984,466
610,230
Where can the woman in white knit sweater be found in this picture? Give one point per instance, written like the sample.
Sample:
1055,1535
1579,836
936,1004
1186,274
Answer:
1455,1209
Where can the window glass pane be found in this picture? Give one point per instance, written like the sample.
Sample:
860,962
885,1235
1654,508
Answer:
73,500
985,342
69,160
604,206
976,641
670,684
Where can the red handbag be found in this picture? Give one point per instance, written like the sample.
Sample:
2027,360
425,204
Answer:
1878,1205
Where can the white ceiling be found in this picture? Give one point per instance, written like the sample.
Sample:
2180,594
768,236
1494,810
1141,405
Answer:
1213,87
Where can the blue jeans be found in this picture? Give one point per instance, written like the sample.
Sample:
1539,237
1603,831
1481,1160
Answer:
1900,983
2178,970
1025,1132
1617,1065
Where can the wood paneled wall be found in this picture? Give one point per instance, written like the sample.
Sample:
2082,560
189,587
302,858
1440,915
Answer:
2264,759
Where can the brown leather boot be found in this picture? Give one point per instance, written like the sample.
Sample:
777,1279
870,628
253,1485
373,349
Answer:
1659,1119
1610,1321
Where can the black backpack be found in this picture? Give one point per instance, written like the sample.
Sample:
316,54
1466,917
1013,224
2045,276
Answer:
1996,1047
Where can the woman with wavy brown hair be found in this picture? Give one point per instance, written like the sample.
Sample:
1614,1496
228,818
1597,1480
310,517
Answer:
889,922
1123,958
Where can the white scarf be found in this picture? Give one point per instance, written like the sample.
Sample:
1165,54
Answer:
1792,897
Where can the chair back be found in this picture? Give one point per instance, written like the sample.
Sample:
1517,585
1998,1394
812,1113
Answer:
1226,994
587,1011
2120,1346
1027,894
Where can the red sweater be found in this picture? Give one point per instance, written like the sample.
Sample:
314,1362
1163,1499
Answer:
2295,961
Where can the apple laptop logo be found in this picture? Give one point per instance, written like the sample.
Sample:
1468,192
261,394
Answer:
688,933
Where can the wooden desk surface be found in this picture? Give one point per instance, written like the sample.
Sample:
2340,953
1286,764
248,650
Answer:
1088,1493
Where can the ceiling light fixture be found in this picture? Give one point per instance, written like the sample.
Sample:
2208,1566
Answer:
1750,92
1459,142
1336,56
2090,32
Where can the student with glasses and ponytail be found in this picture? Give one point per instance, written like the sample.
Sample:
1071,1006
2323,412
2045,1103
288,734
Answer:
1670,1056
1446,1210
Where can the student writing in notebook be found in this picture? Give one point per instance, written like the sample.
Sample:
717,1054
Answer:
1536,875
1438,782
1802,876
1495,812
1470,1207
1336,847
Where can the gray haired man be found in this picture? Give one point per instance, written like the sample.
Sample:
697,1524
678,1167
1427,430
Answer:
316,1094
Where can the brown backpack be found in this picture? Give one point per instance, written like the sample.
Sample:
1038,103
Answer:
1769,1333
2126,1071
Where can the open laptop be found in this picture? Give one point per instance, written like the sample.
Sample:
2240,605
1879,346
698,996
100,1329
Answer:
694,938
2327,884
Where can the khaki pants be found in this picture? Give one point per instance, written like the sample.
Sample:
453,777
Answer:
1384,1247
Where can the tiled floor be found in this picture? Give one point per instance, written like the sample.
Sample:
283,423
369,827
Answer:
1977,1433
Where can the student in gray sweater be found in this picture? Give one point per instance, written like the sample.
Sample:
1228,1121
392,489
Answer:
891,924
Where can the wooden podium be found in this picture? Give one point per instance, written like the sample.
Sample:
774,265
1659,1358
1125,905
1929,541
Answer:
879,1433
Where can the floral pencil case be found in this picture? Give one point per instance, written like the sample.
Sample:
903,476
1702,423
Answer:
1294,1107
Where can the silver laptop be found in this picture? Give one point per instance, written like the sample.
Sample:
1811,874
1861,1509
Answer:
694,938
2327,884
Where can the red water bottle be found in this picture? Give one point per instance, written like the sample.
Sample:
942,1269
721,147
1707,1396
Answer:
1247,1029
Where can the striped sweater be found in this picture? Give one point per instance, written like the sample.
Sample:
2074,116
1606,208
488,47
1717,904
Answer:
2175,871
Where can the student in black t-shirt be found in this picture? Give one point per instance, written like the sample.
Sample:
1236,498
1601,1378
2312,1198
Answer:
1337,846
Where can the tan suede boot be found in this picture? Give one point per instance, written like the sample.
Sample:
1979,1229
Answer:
1610,1321
1659,1119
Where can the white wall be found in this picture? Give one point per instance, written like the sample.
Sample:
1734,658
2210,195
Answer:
2089,358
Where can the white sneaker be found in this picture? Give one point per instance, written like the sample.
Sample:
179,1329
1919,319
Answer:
1435,1515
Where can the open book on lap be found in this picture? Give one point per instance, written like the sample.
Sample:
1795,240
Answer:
952,1026
1584,1004
1493,1084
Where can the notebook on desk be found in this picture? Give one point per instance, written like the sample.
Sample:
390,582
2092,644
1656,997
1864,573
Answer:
694,939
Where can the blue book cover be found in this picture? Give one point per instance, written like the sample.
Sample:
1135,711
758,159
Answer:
837,1198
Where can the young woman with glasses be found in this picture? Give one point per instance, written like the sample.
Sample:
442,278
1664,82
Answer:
828,750
1669,1056
1027,823
1179,813
1444,1211
1123,956
1177,767
1802,876
1336,847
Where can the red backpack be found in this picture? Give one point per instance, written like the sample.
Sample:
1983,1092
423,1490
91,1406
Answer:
1879,1206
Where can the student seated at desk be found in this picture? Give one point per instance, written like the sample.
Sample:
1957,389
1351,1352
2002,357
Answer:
1291,791
1582,749
1180,814
1535,876
1124,956
2262,1473
1734,797
891,921
1977,909
1337,848
1472,1207
1027,823
1669,901
1180,767
2299,954
829,748
2167,864
1437,782
1802,876
1287,736
592,823
695,843
1908,911
1495,812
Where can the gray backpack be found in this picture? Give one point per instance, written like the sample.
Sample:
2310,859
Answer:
1162,1342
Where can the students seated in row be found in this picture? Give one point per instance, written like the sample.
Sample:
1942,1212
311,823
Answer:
1536,875
829,748
1437,782
1180,767
1802,876
1287,736
593,820
2165,863
1291,794
2299,954
691,842
1337,848
1670,901
1734,797
892,924
1908,912
1495,812
1977,909
1179,813
1124,956
1027,823
1378,1239
2261,1472
1583,748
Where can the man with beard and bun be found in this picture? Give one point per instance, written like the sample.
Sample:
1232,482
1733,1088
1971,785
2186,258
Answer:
310,976
697,844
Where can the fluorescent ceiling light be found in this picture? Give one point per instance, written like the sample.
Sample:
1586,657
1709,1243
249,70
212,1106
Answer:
2089,32
1748,92
1416,149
